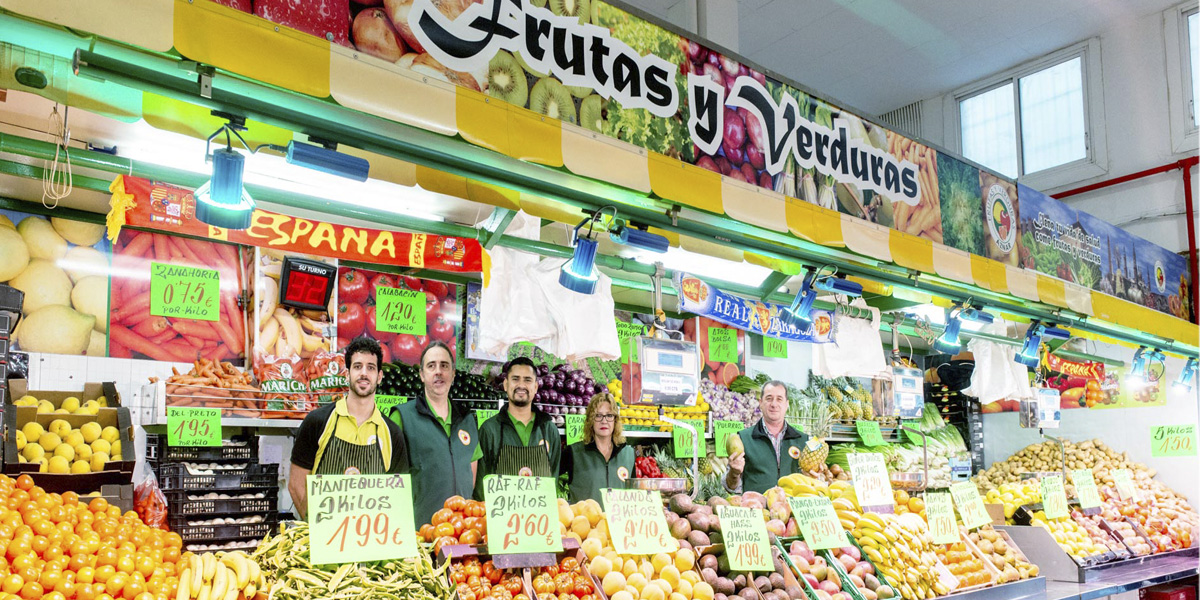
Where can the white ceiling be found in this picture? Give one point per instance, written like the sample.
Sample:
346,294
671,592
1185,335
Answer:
879,55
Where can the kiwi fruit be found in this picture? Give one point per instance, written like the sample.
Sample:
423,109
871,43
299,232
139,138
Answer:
581,9
528,69
506,80
538,3
551,98
591,113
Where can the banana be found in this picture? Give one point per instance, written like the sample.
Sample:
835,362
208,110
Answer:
238,562
255,574
185,585
197,574
873,554
250,590
876,536
270,333
231,593
205,591
210,566
876,521
220,581
290,329
847,524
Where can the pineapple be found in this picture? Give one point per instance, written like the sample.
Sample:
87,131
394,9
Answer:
813,456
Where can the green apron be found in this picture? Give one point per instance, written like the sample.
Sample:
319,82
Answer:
441,464
763,469
591,472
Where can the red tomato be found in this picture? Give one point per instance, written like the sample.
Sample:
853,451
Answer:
438,288
383,280
407,349
564,583
341,343
351,319
387,353
568,564
583,585
433,306
491,573
413,283
449,307
465,593
543,584
384,337
352,286
442,330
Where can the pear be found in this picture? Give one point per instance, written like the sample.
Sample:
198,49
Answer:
41,238
90,296
82,261
56,329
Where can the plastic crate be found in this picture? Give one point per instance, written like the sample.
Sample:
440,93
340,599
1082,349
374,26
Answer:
177,477
157,451
203,533
179,504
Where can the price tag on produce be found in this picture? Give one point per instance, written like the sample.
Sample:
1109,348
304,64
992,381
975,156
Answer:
684,445
1085,488
722,344
871,482
721,431
636,522
385,403
868,432
939,511
483,414
574,428
818,522
970,505
1124,481
188,426
360,518
1173,440
1054,497
180,292
774,347
400,311
745,534
627,334
915,435
522,514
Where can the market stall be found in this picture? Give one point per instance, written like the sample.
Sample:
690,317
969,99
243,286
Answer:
979,376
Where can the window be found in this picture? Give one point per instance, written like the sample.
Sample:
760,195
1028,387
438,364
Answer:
1193,58
1033,122
1182,35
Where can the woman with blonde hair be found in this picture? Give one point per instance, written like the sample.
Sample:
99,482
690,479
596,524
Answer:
601,460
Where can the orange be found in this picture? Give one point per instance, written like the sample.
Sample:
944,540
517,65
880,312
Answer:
86,575
145,565
116,583
32,590
106,556
24,482
97,505
12,584
104,573
85,592
126,564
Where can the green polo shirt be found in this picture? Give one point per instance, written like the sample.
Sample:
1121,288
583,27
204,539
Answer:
445,422
524,431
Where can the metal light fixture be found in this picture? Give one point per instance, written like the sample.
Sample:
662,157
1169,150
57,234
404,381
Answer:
948,342
623,233
326,159
1187,376
222,201
800,311
1143,358
1029,354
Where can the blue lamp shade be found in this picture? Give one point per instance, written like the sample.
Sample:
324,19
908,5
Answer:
328,161
221,201
1030,350
628,236
948,342
801,309
1187,377
579,274
837,285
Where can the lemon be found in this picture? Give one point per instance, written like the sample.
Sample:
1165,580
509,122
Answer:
110,434
72,438
65,451
101,447
61,411
45,406
33,452
21,458
50,441
59,464
71,404
90,431
43,467
81,466
20,440
83,452
60,427
102,401
115,452
99,459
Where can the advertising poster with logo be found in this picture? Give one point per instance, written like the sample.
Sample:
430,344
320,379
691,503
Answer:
1148,391
1080,384
1000,218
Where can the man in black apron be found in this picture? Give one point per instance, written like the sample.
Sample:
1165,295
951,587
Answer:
350,436
520,440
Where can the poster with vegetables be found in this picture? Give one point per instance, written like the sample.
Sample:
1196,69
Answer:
1080,383
146,263
360,306
62,266
1059,241
958,192
722,349
1146,391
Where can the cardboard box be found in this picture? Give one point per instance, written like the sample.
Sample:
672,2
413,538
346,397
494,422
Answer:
20,387
116,473
996,512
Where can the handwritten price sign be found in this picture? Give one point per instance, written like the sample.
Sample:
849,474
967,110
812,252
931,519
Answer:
684,444
912,431
1085,488
1173,440
871,481
360,518
745,535
1126,490
868,432
193,426
818,522
483,414
180,292
722,430
636,522
939,511
970,505
722,344
1054,497
774,348
384,402
400,311
522,514
574,428
627,334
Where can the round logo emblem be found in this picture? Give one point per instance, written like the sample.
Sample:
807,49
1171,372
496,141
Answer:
285,370
794,452
464,437
372,440
1000,218
622,473
1160,277
525,472
352,471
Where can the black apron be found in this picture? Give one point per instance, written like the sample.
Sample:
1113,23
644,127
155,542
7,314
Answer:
531,461
341,456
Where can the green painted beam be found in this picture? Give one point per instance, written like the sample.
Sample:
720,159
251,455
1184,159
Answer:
493,228
771,284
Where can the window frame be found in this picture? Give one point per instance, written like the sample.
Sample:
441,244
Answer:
1095,162
1184,133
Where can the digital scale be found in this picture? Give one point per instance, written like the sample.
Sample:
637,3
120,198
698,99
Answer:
667,374
1044,411
908,393
306,284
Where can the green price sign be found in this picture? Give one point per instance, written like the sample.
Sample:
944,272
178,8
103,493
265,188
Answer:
188,426
684,446
722,344
722,430
179,292
1124,482
970,505
385,403
745,534
574,427
1054,497
361,518
868,432
915,435
400,311
818,522
774,347
636,522
522,514
939,511
1085,488
627,334
1173,440
483,414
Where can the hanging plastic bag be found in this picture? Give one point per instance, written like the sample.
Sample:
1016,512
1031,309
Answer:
996,376
584,322
148,500
857,349
511,307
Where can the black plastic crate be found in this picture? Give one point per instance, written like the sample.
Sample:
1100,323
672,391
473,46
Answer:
209,533
157,451
194,545
179,504
177,477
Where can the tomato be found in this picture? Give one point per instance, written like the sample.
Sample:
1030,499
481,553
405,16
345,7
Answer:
384,337
351,319
352,286
443,330
473,568
382,280
407,349
438,288
387,353
341,343
491,573
464,592
458,573
583,585
471,537
564,583
520,597
551,570
514,585
569,564
543,584
413,283
426,532
433,306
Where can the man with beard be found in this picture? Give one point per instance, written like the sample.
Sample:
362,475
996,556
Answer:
350,436
520,440
442,436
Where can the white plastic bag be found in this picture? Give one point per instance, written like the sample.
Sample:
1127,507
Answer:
585,323
857,350
997,376
511,306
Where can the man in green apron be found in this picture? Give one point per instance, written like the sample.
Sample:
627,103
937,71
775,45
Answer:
520,440
441,435
772,447
350,436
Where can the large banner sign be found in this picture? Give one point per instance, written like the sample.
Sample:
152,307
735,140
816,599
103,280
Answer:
756,316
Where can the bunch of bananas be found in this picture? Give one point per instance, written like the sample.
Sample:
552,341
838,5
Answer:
220,577
900,547
800,486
